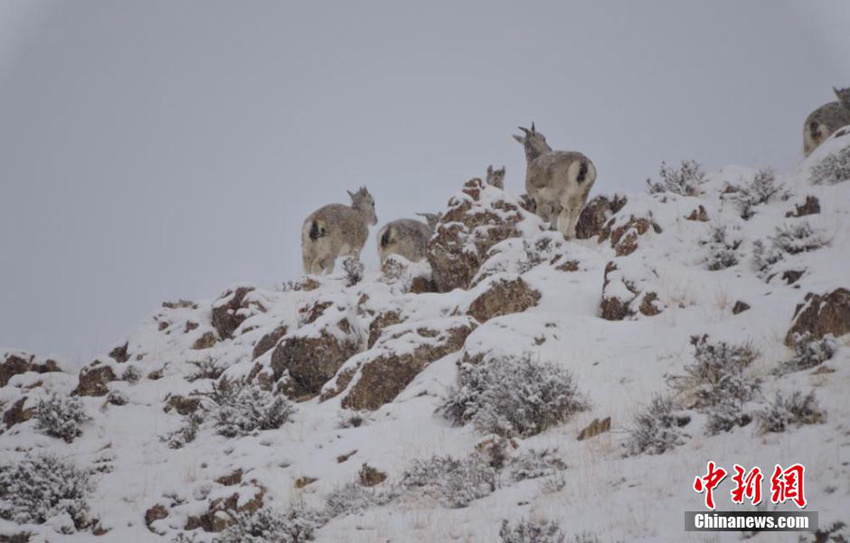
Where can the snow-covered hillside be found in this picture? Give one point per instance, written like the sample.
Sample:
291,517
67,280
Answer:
330,405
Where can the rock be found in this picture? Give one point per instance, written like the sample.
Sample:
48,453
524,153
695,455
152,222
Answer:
810,207
268,341
119,354
339,383
231,479
311,313
18,363
344,457
370,476
409,276
384,319
219,514
180,304
93,380
155,513
117,398
699,214
206,341
624,297
301,482
226,314
476,220
503,297
792,276
596,213
595,428
181,404
821,314
624,234
740,307
312,358
388,368
17,414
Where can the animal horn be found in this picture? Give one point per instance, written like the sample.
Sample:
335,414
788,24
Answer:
532,126
524,129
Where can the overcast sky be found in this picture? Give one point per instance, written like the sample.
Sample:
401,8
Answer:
156,150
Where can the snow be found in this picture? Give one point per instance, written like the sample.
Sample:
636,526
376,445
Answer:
617,365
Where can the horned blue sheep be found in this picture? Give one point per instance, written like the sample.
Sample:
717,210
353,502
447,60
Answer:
407,237
825,120
495,177
557,182
337,230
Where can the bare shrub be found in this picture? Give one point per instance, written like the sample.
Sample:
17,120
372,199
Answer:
718,383
533,464
353,270
528,530
186,433
61,416
809,352
243,408
353,498
657,428
265,526
511,396
722,251
454,482
205,369
761,190
132,375
786,410
787,240
685,181
40,488
833,169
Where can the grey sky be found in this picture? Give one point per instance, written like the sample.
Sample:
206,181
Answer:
156,150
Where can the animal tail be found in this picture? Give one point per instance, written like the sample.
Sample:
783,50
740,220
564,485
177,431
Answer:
317,230
582,172
386,237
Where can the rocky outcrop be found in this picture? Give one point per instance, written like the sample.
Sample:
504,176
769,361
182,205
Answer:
596,213
17,413
821,314
268,341
595,428
625,296
810,207
699,214
623,234
93,379
226,314
221,511
476,220
376,327
503,296
400,356
18,363
311,356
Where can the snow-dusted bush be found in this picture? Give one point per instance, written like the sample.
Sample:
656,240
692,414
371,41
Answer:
61,416
791,239
510,396
809,352
353,498
181,537
528,530
718,383
353,270
267,526
205,369
454,482
132,375
532,464
722,251
657,428
685,180
242,408
786,410
833,169
187,432
37,489
760,190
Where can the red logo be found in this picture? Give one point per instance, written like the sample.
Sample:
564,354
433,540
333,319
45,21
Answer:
785,484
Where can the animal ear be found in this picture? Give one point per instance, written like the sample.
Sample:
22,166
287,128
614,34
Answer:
489,169
519,139
350,194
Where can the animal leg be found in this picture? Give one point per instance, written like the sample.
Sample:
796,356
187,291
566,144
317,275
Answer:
565,221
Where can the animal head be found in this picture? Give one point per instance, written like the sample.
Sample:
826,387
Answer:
534,143
431,218
843,96
363,202
496,177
